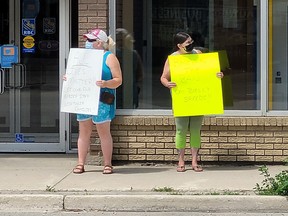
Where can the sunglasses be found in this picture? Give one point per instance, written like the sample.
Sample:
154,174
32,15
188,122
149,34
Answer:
91,40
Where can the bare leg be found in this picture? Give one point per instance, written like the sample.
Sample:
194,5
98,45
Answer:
85,130
181,163
181,154
195,166
106,142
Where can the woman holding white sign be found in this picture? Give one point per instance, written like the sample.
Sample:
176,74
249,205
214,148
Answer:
111,79
183,44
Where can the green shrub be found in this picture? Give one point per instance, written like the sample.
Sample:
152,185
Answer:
273,186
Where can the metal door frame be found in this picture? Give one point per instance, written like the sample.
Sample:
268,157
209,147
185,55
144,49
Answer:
63,145
65,26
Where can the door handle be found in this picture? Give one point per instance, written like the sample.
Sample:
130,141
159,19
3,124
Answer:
2,81
22,76
6,76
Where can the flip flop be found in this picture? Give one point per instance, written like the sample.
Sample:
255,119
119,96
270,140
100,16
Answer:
197,168
181,168
79,169
107,169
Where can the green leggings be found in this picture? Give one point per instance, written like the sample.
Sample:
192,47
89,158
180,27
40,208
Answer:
193,123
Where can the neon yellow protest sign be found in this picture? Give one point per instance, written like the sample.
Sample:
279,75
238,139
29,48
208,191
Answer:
198,90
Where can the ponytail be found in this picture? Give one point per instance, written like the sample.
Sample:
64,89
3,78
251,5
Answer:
109,44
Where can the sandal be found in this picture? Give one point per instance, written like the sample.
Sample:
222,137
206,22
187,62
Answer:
79,169
181,168
108,169
197,168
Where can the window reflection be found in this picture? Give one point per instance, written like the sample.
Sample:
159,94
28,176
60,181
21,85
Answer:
229,25
278,78
131,63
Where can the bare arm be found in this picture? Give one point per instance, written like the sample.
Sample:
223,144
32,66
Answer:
113,63
165,78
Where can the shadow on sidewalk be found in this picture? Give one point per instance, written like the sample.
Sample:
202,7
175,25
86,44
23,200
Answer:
136,170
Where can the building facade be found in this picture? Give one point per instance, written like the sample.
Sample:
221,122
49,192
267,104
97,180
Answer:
253,33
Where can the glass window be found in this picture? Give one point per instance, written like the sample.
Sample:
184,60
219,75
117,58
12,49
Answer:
278,52
144,40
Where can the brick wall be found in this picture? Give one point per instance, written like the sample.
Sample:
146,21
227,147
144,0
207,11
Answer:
92,14
224,139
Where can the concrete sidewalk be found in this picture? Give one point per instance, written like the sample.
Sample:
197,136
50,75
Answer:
46,182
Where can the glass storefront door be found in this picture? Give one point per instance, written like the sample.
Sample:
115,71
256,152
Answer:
29,111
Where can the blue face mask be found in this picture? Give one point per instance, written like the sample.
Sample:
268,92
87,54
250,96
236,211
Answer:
89,45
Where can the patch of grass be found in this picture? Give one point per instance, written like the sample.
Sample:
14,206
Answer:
227,192
50,188
168,190
164,189
277,185
215,193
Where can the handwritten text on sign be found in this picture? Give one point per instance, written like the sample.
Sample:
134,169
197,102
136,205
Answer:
198,90
80,94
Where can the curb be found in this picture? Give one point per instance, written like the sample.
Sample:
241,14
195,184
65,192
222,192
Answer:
143,202
31,202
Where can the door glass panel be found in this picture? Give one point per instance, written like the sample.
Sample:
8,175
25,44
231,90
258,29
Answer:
30,102
5,111
39,98
278,70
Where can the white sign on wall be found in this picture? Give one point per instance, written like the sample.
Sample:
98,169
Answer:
80,94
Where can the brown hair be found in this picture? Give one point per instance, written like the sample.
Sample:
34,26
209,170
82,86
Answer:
179,38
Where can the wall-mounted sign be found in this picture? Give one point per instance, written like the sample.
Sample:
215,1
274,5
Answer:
28,27
48,45
49,25
28,44
9,55
21,138
30,8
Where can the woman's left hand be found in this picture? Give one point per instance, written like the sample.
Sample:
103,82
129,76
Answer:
101,83
220,75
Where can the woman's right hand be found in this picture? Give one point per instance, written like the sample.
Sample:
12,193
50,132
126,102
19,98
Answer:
64,77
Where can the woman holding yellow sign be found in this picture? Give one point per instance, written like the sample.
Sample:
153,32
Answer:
183,44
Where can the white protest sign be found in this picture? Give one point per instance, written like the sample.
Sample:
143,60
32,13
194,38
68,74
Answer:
80,94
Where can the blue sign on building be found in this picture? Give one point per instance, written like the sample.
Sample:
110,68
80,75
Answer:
19,138
8,55
28,27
